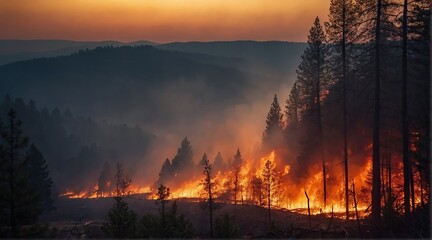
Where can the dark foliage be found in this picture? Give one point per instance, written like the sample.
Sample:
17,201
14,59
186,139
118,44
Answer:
76,145
123,222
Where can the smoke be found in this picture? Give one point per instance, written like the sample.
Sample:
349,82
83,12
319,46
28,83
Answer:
212,128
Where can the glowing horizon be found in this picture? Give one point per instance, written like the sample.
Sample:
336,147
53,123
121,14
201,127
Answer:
160,21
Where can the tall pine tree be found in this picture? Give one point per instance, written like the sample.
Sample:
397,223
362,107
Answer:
312,82
273,132
20,201
341,31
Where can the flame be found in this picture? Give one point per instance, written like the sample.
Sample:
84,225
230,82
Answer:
288,193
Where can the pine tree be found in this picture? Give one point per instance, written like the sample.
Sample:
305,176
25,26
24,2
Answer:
312,83
236,165
341,31
122,221
208,183
273,132
162,199
271,186
218,163
165,173
292,111
123,181
20,201
39,177
183,159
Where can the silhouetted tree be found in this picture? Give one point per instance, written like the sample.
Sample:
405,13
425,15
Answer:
271,185
123,182
273,132
292,111
165,173
311,81
183,159
122,221
341,31
176,226
39,177
208,183
162,198
20,201
236,165
257,195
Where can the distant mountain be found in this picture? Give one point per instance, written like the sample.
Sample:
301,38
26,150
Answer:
271,57
129,84
17,50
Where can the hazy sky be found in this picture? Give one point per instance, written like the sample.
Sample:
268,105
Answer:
159,20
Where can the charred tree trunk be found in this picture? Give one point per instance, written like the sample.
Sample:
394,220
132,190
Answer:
405,130
389,188
309,214
344,106
319,122
376,182
412,188
355,207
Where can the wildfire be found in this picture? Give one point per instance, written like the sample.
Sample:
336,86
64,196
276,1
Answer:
253,187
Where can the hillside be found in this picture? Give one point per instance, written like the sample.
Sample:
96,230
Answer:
113,82
275,58
18,50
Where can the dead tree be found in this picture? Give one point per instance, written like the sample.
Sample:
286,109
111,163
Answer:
376,182
309,214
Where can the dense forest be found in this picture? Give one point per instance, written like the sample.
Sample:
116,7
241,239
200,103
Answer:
348,147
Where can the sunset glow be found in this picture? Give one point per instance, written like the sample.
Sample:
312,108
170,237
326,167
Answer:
160,21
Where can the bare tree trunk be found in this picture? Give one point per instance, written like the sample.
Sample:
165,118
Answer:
356,210
320,132
389,177
405,130
376,182
309,214
344,106
412,188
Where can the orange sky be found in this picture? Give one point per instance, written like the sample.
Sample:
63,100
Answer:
159,20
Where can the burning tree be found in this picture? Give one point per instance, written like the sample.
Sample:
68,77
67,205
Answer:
208,183
271,186
123,182
176,168
236,165
312,83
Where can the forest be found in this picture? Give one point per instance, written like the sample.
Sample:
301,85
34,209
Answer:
344,153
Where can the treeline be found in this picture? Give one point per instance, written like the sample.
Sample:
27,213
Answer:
25,182
364,80
77,146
